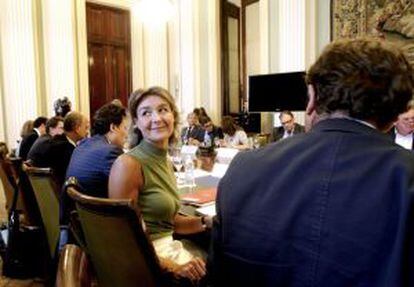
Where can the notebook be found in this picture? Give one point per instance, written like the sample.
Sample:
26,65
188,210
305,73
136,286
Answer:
200,197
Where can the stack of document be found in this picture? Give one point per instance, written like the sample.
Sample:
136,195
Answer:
209,210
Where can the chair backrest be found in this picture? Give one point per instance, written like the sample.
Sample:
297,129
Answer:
46,190
74,269
26,201
9,183
118,247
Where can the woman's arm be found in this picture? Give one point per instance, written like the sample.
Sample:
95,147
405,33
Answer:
126,178
191,224
243,142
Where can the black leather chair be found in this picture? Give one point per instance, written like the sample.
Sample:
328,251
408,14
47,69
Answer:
46,192
118,247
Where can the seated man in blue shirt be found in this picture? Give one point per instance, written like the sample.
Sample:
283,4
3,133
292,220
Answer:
332,207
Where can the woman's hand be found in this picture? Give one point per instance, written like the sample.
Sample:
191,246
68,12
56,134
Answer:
207,221
193,270
223,143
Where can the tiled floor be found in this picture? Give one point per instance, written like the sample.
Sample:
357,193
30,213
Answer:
4,281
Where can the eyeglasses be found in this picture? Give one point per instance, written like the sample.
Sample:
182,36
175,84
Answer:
287,122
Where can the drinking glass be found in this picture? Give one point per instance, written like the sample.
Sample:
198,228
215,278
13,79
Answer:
256,142
178,163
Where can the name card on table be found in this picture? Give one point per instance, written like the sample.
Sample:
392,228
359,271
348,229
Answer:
189,150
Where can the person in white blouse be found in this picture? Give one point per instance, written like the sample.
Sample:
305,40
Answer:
403,131
234,136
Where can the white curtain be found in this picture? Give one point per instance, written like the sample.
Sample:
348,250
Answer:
18,59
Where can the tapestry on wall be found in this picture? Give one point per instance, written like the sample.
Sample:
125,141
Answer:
392,20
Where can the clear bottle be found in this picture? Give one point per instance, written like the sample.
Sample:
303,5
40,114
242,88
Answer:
189,171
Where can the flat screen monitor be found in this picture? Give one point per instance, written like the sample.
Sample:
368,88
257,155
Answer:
278,92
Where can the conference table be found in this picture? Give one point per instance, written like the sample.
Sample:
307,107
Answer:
201,196
209,170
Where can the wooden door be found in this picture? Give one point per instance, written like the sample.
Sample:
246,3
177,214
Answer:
109,55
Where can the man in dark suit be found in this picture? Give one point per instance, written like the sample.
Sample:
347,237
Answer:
92,160
211,132
38,152
332,207
76,127
403,131
289,127
39,129
56,152
194,133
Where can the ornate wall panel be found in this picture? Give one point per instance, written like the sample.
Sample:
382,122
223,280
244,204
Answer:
392,20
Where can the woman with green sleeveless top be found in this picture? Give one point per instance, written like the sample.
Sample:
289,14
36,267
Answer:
146,175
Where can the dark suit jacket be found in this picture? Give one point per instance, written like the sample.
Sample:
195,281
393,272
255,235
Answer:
26,144
91,163
59,155
38,154
333,207
278,132
392,134
197,132
217,132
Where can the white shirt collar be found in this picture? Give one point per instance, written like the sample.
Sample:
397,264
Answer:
71,141
404,141
37,131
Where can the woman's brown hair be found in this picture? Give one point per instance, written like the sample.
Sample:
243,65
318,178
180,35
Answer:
136,98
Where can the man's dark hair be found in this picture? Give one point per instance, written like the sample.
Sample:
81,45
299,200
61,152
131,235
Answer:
39,121
53,122
365,78
72,121
203,120
107,115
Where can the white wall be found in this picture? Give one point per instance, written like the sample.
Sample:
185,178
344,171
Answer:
58,51
253,39
324,24
43,45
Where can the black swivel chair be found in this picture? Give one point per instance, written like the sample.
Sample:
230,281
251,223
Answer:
119,249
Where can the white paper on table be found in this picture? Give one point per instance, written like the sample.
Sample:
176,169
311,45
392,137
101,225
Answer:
209,210
225,155
199,173
219,170
189,150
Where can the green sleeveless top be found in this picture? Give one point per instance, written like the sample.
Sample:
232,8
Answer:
158,200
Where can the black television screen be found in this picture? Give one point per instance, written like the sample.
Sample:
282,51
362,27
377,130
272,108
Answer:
277,92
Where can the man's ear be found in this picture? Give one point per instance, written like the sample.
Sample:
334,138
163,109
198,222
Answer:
310,108
112,127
